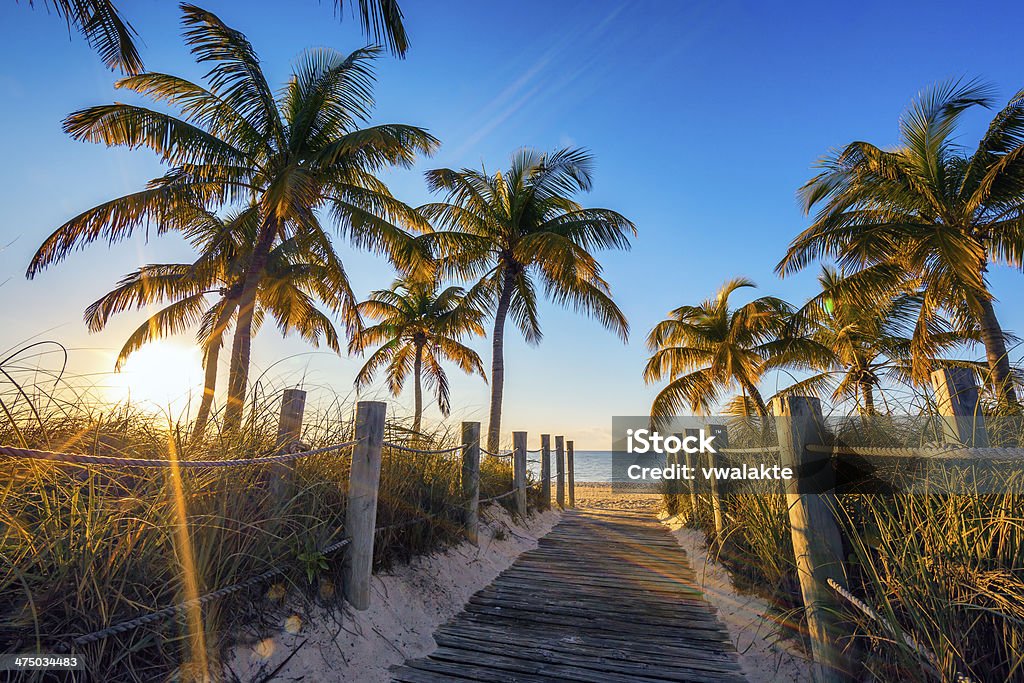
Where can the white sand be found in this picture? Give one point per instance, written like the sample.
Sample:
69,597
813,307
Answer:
407,606
764,655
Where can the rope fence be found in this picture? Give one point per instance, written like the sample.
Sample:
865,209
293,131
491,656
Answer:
439,451
930,659
742,451
937,452
168,612
494,498
82,459
358,530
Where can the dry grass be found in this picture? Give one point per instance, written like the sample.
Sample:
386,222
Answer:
82,547
945,568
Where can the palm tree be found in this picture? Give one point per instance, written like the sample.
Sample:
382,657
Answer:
297,276
107,32
290,156
706,349
927,208
418,328
516,230
871,339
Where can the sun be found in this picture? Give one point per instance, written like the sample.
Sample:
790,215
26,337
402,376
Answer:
159,377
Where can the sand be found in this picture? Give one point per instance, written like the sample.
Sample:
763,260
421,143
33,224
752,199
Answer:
407,605
764,655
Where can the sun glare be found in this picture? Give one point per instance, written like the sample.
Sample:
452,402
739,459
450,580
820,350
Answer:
159,377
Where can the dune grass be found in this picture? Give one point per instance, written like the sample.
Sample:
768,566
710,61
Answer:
82,547
944,568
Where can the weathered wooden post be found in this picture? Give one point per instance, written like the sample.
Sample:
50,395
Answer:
560,471
695,462
570,455
471,479
289,430
956,394
519,471
721,435
545,471
817,544
691,463
361,513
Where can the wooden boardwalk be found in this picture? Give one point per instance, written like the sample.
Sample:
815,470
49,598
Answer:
606,597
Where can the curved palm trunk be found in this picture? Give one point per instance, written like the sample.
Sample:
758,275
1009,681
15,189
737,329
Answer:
241,345
498,363
755,396
210,366
418,388
996,354
209,388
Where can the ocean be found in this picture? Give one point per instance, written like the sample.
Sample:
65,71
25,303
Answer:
587,465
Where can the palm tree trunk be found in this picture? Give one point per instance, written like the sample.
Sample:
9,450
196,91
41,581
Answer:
867,391
498,362
241,345
755,395
418,388
995,352
210,365
209,388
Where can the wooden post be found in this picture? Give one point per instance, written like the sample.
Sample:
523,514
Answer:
721,435
817,544
545,471
956,393
289,430
690,461
570,456
519,471
361,513
696,464
560,471
471,479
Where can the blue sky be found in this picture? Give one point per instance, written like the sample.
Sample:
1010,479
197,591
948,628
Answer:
704,118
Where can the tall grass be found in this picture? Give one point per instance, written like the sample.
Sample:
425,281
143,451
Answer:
82,547
943,566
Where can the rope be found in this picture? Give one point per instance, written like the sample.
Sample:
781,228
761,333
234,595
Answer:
441,451
942,452
494,498
534,450
762,449
80,459
167,612
910,641
497,455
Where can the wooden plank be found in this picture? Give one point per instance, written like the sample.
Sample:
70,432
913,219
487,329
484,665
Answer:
596,659
613,647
